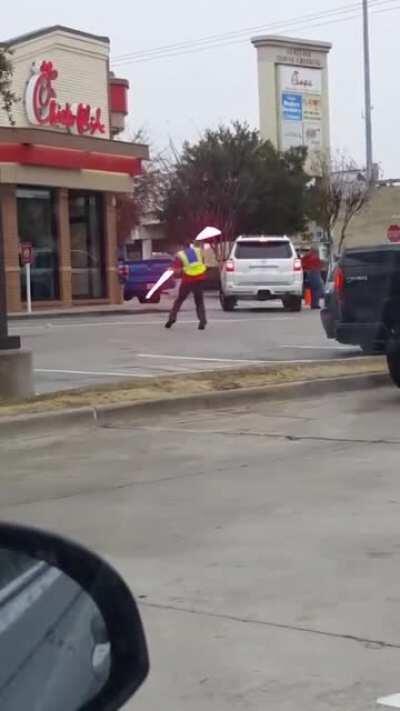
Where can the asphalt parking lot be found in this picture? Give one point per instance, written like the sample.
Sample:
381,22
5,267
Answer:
86,350
262,542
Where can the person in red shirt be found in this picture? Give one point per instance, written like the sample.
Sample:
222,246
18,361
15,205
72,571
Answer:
312,267
189,266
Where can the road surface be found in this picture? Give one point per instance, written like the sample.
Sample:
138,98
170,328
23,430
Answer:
261,541
80,351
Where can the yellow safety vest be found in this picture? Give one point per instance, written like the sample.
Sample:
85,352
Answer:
192,261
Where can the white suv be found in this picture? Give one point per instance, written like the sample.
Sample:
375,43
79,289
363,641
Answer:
262,268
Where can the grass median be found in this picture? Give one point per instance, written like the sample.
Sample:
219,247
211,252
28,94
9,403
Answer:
142,390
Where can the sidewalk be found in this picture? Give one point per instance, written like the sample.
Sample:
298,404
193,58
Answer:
126,309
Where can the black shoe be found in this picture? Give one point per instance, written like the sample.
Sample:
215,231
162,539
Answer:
170,323
202,325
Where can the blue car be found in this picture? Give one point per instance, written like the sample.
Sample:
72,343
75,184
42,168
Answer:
138,277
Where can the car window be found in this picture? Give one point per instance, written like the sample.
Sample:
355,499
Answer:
378,257
12,566
263,250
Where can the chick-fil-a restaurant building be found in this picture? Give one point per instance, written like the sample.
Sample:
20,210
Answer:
61,167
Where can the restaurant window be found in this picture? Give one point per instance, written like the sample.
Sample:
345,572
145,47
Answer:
37,225
87,246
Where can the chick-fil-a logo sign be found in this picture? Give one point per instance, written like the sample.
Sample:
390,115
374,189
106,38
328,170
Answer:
299,82
43,109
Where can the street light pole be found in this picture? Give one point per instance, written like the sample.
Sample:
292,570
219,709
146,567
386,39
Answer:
368,103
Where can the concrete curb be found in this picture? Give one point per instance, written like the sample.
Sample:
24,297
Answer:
100,311
36,315
212,400
46,421
107,414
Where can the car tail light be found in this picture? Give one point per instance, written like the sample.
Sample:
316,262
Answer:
230,266
298,267
339,281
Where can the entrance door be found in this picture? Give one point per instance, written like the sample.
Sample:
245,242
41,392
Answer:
37,225
87,245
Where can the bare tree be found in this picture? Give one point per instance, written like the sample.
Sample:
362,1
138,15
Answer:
338,193
356,193
144,200
7,96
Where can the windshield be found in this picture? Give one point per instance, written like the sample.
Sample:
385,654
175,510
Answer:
263,250
200,333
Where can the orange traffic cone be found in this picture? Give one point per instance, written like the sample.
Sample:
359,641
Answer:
307,297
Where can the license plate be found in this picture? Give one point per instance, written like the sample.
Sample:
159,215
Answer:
263,266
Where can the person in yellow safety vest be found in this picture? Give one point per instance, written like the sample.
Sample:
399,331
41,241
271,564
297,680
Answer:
189,266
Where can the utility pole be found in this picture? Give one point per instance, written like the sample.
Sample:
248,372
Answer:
368,103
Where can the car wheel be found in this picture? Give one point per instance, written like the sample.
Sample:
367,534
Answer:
393,361
293,303
228,303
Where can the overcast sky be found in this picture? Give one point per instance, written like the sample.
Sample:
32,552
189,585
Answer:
180,96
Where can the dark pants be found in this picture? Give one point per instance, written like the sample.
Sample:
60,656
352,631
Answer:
197,289
317,288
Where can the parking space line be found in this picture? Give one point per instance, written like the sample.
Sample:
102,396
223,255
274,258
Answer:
320,348
223,360
48,326
197,358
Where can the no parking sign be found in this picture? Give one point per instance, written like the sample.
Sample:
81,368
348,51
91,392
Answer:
26,255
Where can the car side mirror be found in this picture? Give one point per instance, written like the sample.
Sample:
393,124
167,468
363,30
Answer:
71,637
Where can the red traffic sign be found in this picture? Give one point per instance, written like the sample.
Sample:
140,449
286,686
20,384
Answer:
26,252
393,233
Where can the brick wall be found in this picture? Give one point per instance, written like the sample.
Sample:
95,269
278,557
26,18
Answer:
64,247
114,291
11,246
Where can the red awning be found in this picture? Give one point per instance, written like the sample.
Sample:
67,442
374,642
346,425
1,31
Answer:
68,159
